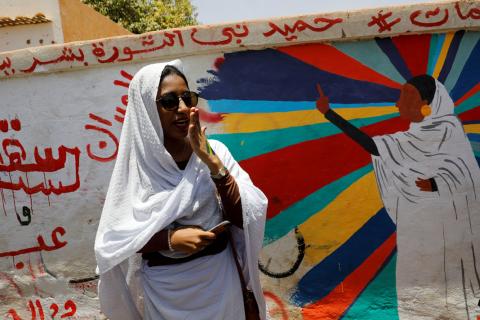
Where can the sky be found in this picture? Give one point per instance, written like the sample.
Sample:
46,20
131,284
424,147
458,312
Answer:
220,11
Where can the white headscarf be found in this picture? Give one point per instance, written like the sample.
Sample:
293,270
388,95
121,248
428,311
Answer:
147,192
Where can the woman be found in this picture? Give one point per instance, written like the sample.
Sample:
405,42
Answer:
429,182
153,252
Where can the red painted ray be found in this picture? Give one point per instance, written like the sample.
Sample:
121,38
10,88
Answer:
210,117
334,305
292,173
469,93
330,59
414,50
470,115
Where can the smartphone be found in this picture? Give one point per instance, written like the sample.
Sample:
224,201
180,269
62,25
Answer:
221,227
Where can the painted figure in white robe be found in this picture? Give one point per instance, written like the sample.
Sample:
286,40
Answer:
429,182
155,257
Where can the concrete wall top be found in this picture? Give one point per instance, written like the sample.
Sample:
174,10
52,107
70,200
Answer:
439,16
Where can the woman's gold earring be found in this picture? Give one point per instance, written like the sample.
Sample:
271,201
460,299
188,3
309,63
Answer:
425,110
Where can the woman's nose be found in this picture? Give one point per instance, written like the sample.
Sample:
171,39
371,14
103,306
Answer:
182,107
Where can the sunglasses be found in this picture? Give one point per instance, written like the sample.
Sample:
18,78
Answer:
170,101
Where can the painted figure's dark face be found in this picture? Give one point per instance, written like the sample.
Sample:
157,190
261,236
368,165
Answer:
410,103
174,123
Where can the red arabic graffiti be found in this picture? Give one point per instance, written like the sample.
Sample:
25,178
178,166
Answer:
127,53
16,172
473,13
428,15
102,144
120,117
6,67
14,151
69,306
300,26
229,33
67,55
111,143
105,52
41,245
381,21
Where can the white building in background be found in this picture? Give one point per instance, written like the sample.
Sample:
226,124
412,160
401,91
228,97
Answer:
33,23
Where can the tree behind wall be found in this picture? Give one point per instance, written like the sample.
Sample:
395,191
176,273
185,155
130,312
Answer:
141,16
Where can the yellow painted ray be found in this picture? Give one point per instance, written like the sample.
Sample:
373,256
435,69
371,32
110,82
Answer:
443,54
472,128
252,122
329,228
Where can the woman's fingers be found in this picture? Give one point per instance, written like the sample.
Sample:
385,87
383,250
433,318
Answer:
208,235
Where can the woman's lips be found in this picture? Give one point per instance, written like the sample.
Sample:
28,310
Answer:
182,124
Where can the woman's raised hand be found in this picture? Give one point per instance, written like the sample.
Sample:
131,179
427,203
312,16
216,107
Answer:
196,133
190,239
322,102
200,145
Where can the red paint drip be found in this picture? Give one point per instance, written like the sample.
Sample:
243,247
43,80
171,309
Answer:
45,181
28,186
3,202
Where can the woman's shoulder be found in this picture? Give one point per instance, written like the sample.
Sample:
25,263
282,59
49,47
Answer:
215,144
220,148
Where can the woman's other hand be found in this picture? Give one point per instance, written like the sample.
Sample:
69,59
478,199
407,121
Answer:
424,184
200,145
190,239
322,102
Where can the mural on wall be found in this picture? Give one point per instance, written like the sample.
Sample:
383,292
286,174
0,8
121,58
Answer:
321,184
331,240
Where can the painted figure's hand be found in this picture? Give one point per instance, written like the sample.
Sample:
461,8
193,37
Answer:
322,102
190,239
424,184
200,145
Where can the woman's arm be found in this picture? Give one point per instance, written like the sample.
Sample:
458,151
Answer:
354,133
226,185
230,195
158,242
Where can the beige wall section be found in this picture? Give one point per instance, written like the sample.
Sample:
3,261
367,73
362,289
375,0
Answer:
80,22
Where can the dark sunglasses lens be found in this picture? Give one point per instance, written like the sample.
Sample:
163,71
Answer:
169,101
190,98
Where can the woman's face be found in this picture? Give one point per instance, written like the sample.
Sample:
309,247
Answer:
174,123
410,103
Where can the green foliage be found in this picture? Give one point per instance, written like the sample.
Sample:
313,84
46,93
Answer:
141,16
